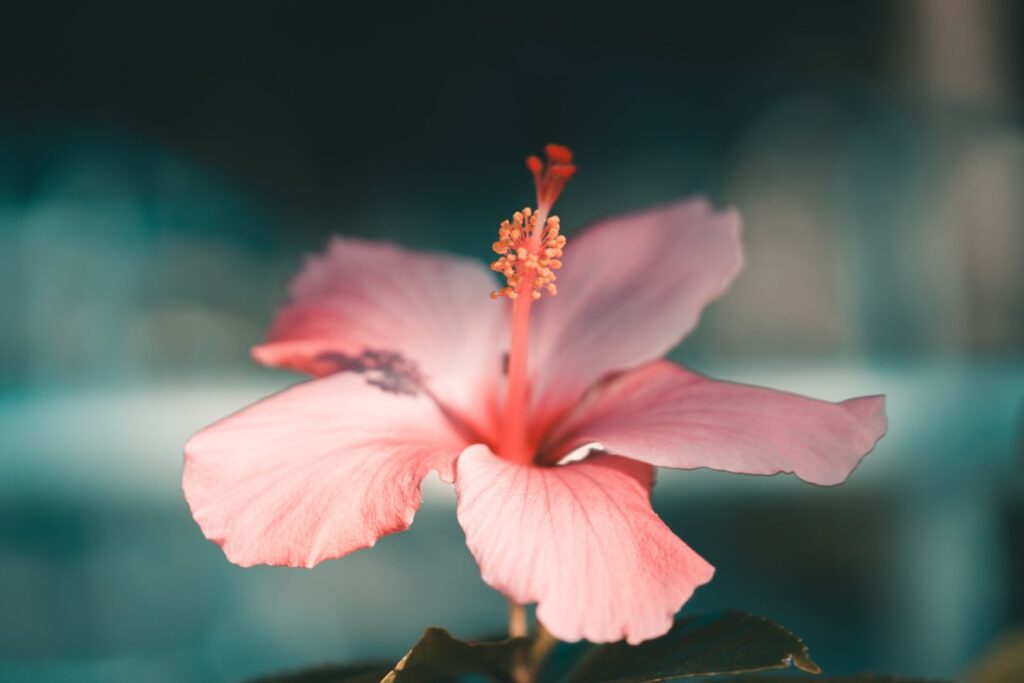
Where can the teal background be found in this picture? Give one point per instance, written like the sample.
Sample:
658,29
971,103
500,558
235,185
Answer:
164,170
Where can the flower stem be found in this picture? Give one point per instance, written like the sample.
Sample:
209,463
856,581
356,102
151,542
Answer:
543,644
517,625
522,671
530,659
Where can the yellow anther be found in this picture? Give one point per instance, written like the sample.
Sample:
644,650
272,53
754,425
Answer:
526,253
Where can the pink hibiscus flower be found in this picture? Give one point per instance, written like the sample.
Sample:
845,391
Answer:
418,371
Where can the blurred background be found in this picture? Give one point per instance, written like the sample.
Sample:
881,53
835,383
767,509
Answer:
163,172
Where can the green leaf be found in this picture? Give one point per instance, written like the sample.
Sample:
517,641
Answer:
438,656
351,673
562,660
861,678
724,643
729,643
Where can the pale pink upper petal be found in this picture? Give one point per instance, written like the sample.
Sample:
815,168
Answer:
431,309
317,471
580,540
630,288
668,416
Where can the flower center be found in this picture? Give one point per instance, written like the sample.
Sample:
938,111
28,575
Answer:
529,249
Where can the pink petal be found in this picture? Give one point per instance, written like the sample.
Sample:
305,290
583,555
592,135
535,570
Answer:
630,289
315,472
580,540
431,309
668,416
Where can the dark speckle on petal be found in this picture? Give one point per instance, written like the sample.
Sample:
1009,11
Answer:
388,370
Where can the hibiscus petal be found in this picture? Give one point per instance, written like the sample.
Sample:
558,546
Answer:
432,311
580,540
668,416
630,289
315,472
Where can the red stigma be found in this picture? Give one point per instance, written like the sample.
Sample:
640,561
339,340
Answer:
558,153
551,177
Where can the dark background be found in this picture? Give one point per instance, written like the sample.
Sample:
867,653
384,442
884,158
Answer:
164,169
